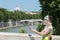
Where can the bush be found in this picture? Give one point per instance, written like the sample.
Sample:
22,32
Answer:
22,30
40,27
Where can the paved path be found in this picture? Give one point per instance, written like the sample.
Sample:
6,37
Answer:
19,36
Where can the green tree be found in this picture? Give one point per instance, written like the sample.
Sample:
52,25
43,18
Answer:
36,16
52,8
3,14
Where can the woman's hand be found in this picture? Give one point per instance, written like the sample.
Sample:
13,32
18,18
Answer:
34,30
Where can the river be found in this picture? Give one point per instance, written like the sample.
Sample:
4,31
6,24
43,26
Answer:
18,29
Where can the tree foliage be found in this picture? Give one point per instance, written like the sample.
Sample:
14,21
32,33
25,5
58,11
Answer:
52,8
5,15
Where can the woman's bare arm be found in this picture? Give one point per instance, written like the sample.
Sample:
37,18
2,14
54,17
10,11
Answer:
42,33
34,30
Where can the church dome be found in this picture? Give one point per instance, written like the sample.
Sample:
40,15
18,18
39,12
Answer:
17,8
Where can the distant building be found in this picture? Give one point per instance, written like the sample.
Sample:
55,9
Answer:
30,13
27,12
17,8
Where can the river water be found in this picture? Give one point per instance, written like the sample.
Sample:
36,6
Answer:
18,29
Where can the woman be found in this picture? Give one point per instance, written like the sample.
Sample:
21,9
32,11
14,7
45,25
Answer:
47,31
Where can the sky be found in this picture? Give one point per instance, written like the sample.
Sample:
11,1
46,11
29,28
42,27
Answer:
25,5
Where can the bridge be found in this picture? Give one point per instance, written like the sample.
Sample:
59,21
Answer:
29,21
21,36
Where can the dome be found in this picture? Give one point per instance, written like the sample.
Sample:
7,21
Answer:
17,8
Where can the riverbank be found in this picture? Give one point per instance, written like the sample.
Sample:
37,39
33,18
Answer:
8,27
